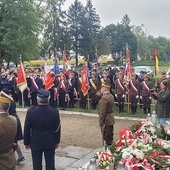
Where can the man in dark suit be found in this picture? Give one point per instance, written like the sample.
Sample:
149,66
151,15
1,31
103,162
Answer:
42,131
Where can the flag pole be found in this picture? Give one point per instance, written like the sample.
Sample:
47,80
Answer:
22,92
128,101
88,97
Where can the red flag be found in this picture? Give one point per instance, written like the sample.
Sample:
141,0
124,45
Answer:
48,79
155,52
21,81
128,71
127,52
85,82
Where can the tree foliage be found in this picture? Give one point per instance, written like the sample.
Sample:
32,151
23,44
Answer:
20,25
120,36
76,13
91,28
55,32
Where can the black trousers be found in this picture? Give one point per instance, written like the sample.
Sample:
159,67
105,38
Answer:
49,156
34,98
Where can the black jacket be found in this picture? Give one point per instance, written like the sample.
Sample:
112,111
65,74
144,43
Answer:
42,128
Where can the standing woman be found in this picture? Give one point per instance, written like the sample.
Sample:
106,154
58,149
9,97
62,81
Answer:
19,134
63,92
163,103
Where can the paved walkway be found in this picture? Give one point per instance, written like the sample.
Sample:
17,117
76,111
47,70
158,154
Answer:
69,158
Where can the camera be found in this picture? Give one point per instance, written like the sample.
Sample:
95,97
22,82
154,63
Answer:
153,90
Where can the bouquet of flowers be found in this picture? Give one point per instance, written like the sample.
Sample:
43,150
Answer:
143,146
104,158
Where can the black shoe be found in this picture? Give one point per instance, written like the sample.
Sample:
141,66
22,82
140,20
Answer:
19,160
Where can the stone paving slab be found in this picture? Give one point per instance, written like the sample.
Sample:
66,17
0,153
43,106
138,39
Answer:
63,162
76,152
69,158
70,168
82,162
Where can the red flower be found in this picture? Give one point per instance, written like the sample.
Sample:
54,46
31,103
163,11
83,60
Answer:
135,168
135,160
155,153
125,133
120,143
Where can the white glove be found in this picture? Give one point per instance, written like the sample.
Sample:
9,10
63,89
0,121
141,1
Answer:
141,97
137,96
123,96
115,95
150,97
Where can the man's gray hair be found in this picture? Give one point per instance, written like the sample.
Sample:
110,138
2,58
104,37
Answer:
42,100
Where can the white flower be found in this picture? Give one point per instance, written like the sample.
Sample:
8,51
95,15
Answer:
166,144
139,154
127,155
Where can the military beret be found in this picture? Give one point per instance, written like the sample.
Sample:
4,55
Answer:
120,73
5,98
146,76
106,83
133,75
43,93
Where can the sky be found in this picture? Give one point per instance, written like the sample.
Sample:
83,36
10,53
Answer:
153,14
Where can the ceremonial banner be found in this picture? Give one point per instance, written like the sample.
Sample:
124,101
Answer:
127,52
48,79
155,53
21,81
85,82
128,71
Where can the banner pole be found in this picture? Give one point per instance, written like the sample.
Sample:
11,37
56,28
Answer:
22,95
88,100
128,101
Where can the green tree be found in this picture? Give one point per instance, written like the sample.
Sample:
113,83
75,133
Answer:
20,24
142,40
90,29
120,36
55,30
75,19
162,44
103,44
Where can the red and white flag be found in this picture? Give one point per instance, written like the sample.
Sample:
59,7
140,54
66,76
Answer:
21,80
85,81
128,71
127,52
48,79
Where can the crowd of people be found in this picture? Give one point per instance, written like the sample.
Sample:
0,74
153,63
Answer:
67,88
42,130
